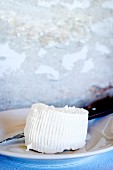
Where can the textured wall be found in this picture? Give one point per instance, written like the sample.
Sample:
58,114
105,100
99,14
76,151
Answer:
55,51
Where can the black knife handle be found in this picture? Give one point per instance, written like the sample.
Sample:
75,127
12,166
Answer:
100,108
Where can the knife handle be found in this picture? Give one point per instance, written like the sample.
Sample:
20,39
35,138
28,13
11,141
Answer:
102,107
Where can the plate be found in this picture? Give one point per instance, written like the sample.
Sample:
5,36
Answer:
12,122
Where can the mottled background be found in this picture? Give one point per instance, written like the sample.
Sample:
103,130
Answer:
55,51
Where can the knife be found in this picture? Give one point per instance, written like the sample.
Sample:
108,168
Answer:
97,109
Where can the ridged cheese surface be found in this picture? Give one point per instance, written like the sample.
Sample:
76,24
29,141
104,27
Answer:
51,130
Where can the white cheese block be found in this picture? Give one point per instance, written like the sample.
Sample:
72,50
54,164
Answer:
51,130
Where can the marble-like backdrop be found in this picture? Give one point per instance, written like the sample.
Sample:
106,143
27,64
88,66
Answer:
55,51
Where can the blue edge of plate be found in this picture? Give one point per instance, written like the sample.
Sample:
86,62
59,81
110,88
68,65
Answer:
102,161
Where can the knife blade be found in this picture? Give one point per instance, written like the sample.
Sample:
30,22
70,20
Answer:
18,136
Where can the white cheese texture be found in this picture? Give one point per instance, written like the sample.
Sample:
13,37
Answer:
52,130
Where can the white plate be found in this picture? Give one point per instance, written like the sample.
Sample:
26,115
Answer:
99,138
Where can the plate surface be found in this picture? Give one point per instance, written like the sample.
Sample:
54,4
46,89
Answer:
12,122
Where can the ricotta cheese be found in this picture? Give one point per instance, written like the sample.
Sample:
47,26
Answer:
50,130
